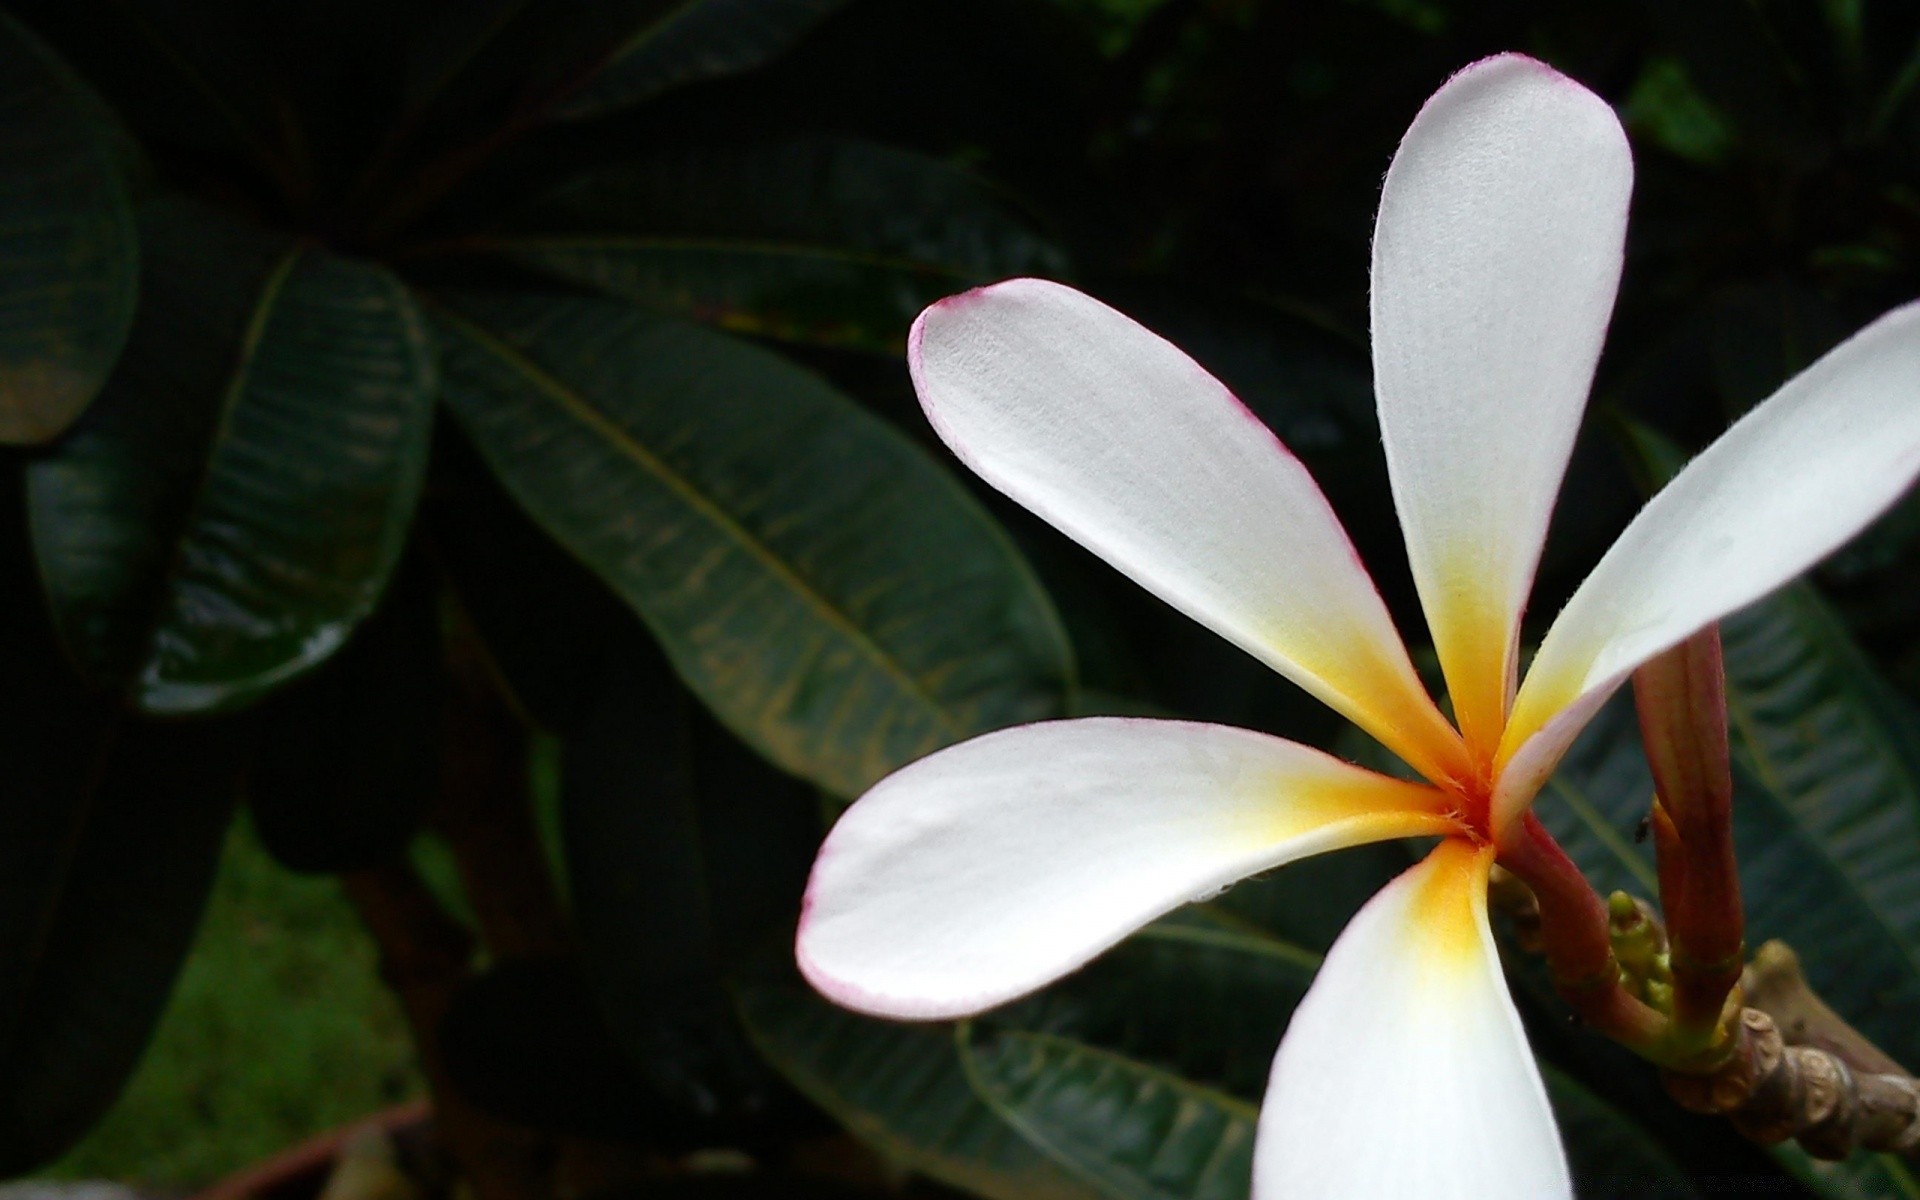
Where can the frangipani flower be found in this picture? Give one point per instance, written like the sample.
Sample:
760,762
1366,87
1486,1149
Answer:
993,867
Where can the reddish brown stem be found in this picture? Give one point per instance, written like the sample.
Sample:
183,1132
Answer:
425,956
1575,937
484,810
311,1157
1681,696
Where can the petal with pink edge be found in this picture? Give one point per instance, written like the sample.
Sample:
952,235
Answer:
1129,447
1405,1072
1785,486
993,867
1495,260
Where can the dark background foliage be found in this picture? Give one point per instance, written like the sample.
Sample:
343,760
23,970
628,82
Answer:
392,387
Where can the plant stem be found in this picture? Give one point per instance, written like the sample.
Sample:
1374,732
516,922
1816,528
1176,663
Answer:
1790,1067
1576,936
425,957
484,810
1797,1070
1681,698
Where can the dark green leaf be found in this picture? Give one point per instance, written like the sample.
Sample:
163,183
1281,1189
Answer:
831,594
103,875
691,41
235,501
1827,803
449,43
1820,896
346,760
1141,1040
1139,1132
901,1089
1308,903
1142,1071
69,258
833,241
1611,1157
541,615
674,864
1200,993
1666,109
1745,69
1860,1177
1829,743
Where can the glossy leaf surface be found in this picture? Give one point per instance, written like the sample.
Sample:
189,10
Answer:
1823,807
1136,1130
831,594
901,1089
826,240
68,258
234,503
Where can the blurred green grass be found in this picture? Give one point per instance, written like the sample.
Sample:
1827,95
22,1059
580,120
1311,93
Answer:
279,1028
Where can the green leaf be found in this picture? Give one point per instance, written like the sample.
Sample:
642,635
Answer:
1135,1130
233,504
827,240
68,258
1748,72
1142,1072
691,41
104,870
1308,903
1610,1156
1141,1069
1824,811
542,617
1833,748
666,891
832,595
1860,1177
900,1088
1200,993
1665,108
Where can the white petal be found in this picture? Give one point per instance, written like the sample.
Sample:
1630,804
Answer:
995,866
1523,775
1495,261
1786,485
1405,1072
1126,445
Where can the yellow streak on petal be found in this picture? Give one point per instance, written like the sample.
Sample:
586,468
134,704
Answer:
1473,633
1373,686
1350,806
1543,697
1448,913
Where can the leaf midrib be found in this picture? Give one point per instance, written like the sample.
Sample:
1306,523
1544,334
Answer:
578,408
1583,808
1740,716
1251,941
1234,1108
146,671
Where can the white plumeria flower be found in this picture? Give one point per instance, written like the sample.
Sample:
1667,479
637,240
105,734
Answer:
991,868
